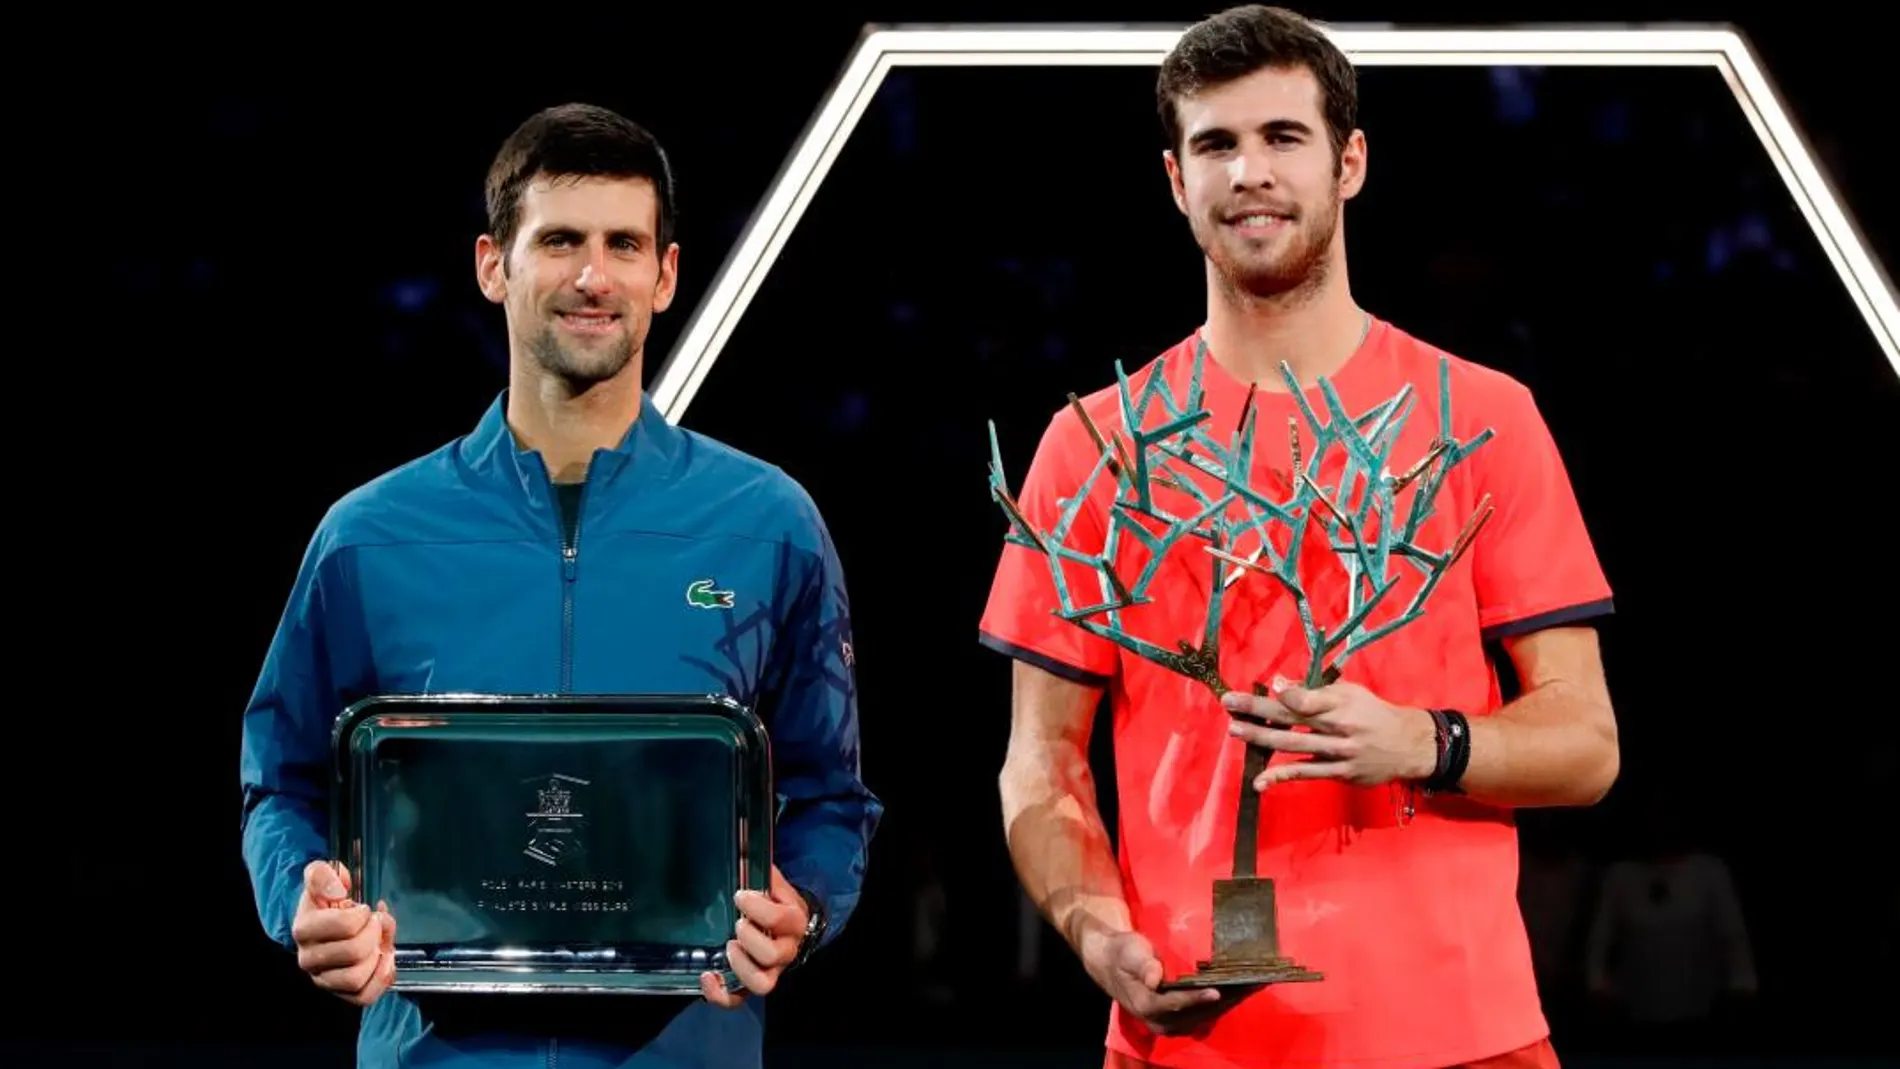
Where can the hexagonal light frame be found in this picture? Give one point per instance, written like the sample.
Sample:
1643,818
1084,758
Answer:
881,49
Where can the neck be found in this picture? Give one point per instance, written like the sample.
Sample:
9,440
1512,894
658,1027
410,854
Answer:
1314,328
548,416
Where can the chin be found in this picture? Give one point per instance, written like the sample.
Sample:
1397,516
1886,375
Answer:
594,372
1258,280
581,374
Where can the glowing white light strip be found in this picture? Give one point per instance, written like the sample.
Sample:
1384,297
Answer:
880,50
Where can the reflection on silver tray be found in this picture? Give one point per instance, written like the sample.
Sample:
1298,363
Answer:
554,844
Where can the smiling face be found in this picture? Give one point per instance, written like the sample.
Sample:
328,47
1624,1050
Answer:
1257,177
583,277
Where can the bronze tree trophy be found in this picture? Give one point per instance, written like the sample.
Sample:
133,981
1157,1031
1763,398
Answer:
1369,533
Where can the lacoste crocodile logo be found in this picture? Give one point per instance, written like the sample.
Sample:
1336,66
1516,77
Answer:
701,595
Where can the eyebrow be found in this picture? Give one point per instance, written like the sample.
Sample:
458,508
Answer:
1269,128
551,229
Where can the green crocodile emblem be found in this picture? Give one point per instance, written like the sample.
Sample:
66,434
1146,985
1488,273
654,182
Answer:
701,595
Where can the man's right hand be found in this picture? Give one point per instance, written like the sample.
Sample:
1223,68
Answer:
346,947
1125,966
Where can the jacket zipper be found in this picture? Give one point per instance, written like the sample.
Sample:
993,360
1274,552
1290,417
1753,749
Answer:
570,569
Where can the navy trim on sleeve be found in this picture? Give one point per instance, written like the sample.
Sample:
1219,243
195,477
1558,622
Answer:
1043,661
1574,614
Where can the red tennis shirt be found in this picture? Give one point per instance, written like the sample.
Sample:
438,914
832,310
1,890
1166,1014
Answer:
1415,924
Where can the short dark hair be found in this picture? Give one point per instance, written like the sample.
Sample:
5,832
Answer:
1241,40
575,141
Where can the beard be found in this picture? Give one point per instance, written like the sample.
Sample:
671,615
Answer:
1300,266
582,363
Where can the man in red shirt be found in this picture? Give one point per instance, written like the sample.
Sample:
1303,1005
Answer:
1395,876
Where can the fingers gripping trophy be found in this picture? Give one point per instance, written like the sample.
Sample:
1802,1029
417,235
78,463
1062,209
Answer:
1178,489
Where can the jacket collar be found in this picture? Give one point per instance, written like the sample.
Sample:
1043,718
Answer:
492,452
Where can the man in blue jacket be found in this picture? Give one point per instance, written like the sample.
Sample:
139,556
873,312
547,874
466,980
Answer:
573,542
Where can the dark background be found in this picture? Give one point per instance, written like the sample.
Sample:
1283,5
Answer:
276,303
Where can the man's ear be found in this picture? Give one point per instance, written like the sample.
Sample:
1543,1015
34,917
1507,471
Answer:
1352,165
491,269
1173,167
664,289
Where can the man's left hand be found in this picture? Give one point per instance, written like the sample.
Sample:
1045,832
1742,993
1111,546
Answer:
1346,732
771,927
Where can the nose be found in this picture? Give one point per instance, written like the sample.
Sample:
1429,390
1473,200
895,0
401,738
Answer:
593,277
1250,168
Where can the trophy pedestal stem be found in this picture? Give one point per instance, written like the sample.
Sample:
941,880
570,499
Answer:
1246,942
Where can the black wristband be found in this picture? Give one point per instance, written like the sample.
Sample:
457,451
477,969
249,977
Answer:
1454,751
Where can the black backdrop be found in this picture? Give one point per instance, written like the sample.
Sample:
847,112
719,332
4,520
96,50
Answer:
299,314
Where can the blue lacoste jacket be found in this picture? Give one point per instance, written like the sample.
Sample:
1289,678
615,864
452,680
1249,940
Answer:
455,573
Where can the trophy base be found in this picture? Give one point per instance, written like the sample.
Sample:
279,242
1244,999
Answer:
1246,942
1242,974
